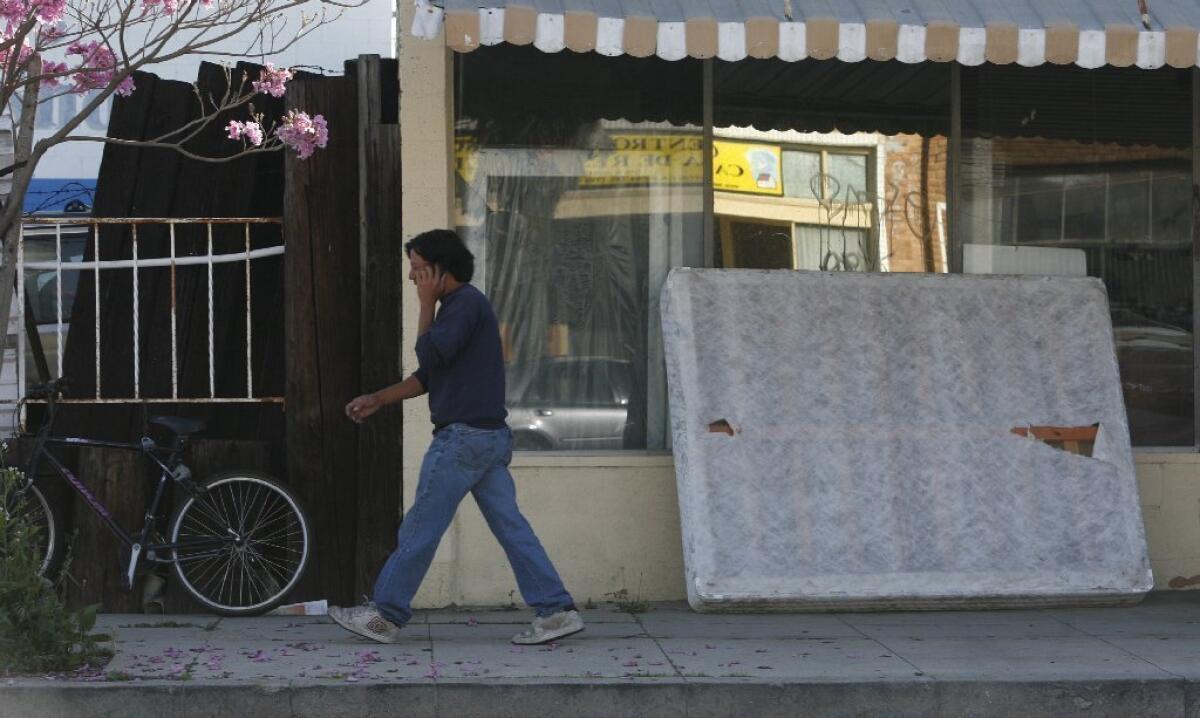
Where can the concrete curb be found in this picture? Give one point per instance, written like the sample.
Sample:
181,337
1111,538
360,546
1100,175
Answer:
650,698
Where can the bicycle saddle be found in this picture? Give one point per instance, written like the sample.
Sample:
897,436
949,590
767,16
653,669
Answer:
181,426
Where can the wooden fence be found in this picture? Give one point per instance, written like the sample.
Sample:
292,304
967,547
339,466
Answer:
325,322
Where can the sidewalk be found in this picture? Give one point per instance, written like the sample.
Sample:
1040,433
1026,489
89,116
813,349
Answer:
668,661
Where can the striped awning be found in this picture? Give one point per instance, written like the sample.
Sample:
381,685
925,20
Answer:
1087,33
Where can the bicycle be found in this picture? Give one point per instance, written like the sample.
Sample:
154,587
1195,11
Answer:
238,542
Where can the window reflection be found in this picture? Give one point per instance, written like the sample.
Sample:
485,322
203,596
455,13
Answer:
576,211
1084,190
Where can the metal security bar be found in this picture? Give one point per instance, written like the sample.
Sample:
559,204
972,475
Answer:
135,263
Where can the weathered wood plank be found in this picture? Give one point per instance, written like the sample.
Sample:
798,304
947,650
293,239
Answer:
322,266
379,443
98,559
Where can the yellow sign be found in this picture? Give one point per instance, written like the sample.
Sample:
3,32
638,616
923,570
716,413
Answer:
637,159
744,167
465,159
643,159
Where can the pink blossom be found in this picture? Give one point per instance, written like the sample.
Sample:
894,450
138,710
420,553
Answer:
252,132
271,80
48,11
126,88
302,133
18,11
15,11
97,69
168,6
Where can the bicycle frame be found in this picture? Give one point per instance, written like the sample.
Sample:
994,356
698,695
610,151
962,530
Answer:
138,542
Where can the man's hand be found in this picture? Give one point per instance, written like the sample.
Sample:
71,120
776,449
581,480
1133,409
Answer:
362,407
430,283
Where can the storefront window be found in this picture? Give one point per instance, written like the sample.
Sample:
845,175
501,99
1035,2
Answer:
578,187
582,180
1091,171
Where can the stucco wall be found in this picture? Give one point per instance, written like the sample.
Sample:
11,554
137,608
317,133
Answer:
1170,487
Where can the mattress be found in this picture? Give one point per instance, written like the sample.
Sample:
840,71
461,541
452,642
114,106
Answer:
849,441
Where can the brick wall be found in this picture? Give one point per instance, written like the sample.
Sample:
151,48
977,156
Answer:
914,186
1035,151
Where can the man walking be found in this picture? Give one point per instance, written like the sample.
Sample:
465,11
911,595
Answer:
461,366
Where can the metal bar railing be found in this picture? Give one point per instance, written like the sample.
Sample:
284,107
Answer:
137,345
136,263
58,310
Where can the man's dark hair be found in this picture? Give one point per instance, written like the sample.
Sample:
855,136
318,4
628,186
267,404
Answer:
446,250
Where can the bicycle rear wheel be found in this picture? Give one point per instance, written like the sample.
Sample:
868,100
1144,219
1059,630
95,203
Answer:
28,506
241,545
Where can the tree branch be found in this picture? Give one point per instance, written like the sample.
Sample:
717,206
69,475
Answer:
267,146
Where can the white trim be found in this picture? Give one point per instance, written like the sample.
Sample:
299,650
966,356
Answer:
1151,50
610,36
135,263
491,25
910,44
1031,47
852,42
859,140
1093,48
792,41
672,40
941,216
549,34
883,239
427,20
972,46
731,41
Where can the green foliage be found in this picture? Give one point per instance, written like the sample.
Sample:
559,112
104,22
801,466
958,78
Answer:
37,632
629,603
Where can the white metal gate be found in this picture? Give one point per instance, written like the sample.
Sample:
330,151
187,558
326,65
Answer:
58,265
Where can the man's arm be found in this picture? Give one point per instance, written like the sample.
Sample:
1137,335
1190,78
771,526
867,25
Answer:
367,404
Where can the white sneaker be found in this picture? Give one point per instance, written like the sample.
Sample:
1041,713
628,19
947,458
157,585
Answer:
548,628
366,622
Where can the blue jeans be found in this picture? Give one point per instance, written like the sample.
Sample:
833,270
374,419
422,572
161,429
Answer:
462,459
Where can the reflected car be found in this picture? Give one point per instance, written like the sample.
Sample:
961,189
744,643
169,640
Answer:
1156,377
569,403
41,286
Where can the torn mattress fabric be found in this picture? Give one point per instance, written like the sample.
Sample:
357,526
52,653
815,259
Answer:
867,441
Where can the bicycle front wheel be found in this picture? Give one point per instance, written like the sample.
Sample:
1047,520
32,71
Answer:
27,507
241,544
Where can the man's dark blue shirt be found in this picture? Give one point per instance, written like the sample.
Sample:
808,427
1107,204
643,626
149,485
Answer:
461,363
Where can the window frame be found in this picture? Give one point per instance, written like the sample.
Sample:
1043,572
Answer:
1107,170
